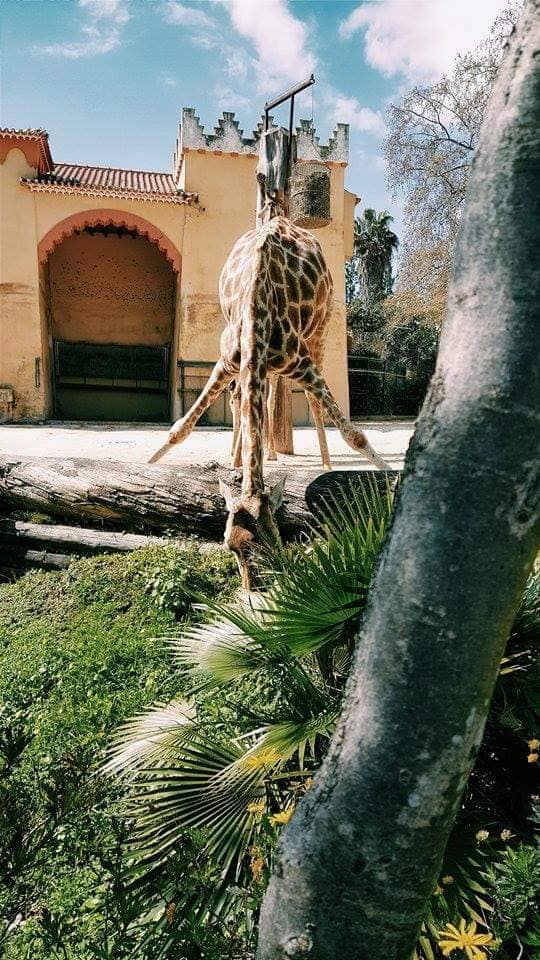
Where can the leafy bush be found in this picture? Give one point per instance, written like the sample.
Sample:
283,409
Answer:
412,344
78,654
235,755
176,581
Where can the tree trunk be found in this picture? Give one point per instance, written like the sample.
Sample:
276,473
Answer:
360,858
283,417
152,497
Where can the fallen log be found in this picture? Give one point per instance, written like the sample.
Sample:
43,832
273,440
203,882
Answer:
18,535
20,557
156,497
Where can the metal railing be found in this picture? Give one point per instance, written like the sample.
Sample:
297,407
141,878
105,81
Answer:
380,390
110,364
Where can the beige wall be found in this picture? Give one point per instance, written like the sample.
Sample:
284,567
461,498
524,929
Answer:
110,289
204,237
21,335
227,188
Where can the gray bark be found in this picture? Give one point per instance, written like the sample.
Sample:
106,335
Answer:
19,534
183,499
360,858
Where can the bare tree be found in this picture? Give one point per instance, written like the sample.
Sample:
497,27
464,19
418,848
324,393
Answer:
433,134
360,857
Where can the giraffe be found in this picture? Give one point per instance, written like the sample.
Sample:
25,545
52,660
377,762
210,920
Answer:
275,291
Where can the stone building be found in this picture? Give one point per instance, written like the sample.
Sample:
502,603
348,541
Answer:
109,278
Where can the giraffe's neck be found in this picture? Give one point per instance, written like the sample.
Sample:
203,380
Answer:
254,349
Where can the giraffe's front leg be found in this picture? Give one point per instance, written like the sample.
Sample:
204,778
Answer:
236,451
216,383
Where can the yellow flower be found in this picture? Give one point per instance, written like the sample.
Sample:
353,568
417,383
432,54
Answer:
283,816
257,864
533,744
482,835
532,758
263,758
506,835
257,809
448,879
438,890
464,938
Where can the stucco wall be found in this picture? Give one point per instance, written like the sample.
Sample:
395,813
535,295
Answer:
227,188
21,336
226,185
110,289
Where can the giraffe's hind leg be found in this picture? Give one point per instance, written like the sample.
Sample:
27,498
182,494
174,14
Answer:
317,414
216,383
236,451
308,376
270,419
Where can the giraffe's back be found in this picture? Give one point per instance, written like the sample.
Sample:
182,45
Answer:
297,285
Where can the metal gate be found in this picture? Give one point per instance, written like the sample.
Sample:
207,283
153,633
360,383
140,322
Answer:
376,390
111,381
193,377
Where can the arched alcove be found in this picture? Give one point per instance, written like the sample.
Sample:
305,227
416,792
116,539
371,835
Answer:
111,283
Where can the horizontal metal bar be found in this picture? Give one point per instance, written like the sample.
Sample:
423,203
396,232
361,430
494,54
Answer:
270,104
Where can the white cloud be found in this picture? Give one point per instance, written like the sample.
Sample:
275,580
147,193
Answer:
114,10
184,16
280,40
349,110
237,63
101,35
226,98
419,39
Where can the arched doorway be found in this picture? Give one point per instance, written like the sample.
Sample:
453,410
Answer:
111,282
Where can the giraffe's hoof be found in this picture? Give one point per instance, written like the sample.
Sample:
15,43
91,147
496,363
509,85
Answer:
327,466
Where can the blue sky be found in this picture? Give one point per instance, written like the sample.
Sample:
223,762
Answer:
108,78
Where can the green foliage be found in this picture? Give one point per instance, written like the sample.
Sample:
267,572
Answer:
515,883
374,245
412,344
365,322
78,655
267,682
184,576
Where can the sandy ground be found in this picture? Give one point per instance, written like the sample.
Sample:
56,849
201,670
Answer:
137,442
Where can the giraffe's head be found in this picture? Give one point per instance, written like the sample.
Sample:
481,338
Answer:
251,523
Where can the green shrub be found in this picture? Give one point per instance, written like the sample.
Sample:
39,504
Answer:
78,654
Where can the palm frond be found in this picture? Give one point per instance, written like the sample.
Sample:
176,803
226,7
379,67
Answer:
292,738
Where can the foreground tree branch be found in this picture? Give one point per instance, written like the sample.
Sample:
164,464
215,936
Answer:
360,858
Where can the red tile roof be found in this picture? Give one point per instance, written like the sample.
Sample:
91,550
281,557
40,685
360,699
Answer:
33,143
135,181
110,181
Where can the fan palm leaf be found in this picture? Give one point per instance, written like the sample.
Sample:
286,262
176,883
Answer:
183,771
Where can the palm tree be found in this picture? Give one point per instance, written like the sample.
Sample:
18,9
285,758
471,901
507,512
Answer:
374,245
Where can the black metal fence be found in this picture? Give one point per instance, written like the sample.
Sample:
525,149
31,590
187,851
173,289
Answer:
375,390
379,390
193,375
112,363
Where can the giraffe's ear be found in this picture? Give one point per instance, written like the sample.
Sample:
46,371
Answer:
226,493
275,495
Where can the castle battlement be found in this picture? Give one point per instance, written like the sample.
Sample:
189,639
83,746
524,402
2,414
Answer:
229,138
